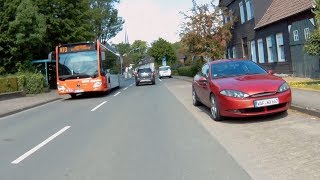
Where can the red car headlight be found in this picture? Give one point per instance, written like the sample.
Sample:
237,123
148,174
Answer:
234,93
284,87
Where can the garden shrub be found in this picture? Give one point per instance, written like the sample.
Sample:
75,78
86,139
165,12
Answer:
8,84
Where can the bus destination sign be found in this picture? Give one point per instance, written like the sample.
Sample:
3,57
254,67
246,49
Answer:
76,48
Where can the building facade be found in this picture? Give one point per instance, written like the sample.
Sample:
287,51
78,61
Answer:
272,34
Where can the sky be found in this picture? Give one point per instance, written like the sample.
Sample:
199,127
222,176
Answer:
149,20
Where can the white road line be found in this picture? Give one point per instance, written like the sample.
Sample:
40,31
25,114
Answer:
117,94
160,80
131,85
98,106
125,88
25,155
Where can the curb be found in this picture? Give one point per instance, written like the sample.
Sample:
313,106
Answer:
11,95
28,107
306,110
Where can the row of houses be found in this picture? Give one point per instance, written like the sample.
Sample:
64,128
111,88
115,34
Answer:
273,33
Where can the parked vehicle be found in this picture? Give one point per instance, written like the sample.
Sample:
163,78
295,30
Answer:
239,88
145,75
164,71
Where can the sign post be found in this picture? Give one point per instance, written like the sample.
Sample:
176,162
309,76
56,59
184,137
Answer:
164,61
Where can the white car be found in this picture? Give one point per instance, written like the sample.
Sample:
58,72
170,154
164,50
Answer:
164,71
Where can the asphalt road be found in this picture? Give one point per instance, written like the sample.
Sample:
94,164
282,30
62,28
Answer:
134,133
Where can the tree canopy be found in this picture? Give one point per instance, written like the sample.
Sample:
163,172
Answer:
160,49
312,45
30,29
205,33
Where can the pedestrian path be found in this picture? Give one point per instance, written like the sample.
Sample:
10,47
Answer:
11,106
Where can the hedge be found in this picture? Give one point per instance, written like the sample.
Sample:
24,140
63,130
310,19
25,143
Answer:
31,83
8,84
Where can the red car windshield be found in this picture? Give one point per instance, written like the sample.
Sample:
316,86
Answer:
236,68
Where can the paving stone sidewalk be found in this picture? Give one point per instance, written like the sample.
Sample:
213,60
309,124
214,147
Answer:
11,106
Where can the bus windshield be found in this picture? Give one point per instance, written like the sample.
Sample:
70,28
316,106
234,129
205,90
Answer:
78,65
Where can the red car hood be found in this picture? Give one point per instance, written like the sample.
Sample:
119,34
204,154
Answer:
250,84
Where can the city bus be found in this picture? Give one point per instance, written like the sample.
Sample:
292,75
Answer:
85,68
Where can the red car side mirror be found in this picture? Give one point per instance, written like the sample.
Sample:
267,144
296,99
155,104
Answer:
202,79
270,72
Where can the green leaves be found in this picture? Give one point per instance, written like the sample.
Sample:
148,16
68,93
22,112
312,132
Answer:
162,48
312,45
204,33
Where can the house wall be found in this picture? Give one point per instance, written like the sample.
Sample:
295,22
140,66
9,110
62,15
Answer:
272,30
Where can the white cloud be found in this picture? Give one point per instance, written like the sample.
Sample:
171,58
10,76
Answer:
150,19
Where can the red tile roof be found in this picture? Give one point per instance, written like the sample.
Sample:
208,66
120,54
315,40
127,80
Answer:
281,9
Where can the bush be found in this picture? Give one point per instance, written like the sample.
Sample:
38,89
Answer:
192,70
31,83
186,71
8,84
175,72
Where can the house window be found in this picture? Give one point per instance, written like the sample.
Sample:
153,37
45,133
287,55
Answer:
249,9
234,54
243,19
306,33
260,51
280,47
296,35
253,51
228,53
269,49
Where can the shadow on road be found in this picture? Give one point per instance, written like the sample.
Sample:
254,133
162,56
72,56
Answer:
258,119
92,95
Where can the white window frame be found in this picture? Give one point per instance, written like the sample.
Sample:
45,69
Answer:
280,47
261,51
253,51
234,55
296,35
249,9
242,16
269,49
306,33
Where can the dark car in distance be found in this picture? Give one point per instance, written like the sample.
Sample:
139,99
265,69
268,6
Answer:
239,88
145,75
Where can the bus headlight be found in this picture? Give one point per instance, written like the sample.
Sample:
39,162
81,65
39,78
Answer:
61,88
97,84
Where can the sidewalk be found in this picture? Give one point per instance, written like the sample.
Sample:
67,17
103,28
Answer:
302,100
12,106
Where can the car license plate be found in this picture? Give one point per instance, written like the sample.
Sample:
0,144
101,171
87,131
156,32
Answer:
266,102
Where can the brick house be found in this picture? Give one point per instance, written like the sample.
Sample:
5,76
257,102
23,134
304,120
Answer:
272,33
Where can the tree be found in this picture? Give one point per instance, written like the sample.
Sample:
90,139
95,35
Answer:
105,18
139,49
124,49
160,49
204,33
22,32
67,21
312,45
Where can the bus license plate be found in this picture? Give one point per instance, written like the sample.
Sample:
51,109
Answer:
78,90
266,102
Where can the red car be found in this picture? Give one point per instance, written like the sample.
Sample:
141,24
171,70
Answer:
239,88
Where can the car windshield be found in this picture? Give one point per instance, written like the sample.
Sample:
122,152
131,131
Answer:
164,68
71,65
145,70
236,68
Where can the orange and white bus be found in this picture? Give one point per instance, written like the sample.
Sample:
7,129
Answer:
83,67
